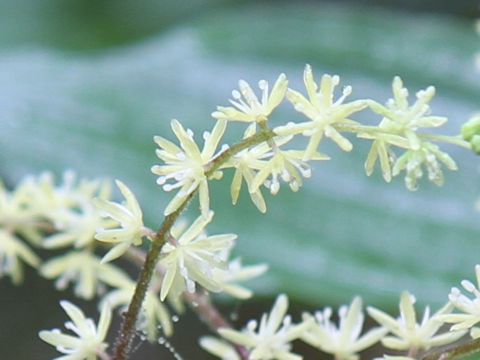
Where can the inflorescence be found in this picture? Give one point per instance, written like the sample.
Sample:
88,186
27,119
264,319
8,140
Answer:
74,214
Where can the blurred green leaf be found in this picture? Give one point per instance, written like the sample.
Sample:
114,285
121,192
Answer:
342,233
91,24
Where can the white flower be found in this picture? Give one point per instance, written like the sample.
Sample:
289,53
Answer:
470,308
78,228
428,155
252,109
323,112
226,279
257,163
16,212
89,339
246,163
412,335
403,119
399,126
12,252
271,339
219,348
185,166
129,215
191,257
285,165
81,268
343,342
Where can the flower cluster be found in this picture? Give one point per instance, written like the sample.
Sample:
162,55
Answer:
184,263
469,308
186,166
324,113
399,127
38,206
190,256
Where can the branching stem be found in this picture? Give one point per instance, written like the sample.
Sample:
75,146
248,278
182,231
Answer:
124,339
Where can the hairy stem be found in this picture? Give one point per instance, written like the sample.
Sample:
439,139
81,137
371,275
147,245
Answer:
199,302
124,339
127,332
264,135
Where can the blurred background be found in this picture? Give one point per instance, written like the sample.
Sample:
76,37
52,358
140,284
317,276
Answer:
85,85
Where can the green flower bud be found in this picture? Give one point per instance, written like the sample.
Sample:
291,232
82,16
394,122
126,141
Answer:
471,128
475,141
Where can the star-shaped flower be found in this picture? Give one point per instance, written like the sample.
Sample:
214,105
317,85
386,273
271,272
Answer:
191,257
81,268
77,227
286,165
271,338
129,216
470,307
246,163
408,334
399,126
323,112
89,339
343,342
185,166
253,109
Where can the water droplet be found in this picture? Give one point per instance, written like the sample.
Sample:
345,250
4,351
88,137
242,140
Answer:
175,318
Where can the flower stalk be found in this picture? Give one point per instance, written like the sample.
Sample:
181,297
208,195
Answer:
456,352
127,331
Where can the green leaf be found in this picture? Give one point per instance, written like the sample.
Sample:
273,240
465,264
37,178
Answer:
343,233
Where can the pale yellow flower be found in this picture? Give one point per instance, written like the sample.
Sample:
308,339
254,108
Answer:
408,334
89,339
323,112
246,163
271,338
286,165
16,213
427,155
219,348
253,109
77,228
469,307
227,278
83,269
185,166
343,341
399,127
129,216
12,253
190,256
